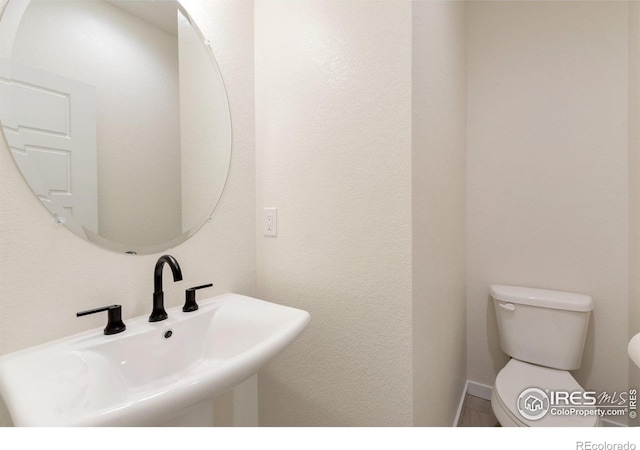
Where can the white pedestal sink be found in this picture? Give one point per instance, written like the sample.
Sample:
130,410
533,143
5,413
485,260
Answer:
141,377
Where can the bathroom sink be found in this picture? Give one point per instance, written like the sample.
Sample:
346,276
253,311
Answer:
147,373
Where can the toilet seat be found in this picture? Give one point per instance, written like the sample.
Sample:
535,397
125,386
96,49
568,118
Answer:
518,376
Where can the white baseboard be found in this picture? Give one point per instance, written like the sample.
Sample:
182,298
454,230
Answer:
456,420
479,390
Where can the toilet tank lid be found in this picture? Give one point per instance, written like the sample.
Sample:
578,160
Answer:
542,298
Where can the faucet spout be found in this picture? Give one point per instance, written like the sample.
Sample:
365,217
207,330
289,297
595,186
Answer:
158,312
157,274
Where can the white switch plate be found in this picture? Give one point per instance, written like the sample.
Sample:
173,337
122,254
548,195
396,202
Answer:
270,222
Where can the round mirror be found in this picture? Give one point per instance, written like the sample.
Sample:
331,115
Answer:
116,115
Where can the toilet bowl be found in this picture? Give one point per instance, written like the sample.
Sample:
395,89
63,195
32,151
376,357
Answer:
544,333
518,376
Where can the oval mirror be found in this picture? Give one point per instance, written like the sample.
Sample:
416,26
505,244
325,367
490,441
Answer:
116,115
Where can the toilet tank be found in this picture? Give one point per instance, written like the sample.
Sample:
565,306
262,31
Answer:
542,327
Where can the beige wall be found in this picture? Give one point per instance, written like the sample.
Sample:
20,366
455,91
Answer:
547,170
439,210
333,146
47,273
634,186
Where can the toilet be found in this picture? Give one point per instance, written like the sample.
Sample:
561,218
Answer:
544,333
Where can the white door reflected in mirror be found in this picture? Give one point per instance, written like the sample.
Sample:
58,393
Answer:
145,168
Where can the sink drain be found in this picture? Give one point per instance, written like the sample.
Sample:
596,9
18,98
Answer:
168,333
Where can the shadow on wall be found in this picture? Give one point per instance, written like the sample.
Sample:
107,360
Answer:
498,357
584,372
5,417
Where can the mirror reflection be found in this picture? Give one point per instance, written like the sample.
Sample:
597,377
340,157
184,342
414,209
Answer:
117,117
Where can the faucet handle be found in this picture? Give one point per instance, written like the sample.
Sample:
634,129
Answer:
190,298
114,318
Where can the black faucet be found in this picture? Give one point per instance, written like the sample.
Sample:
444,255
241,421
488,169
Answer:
158,312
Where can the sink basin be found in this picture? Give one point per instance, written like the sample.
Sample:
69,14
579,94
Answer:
145,374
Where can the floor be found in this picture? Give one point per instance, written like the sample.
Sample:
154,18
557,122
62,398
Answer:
477,412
